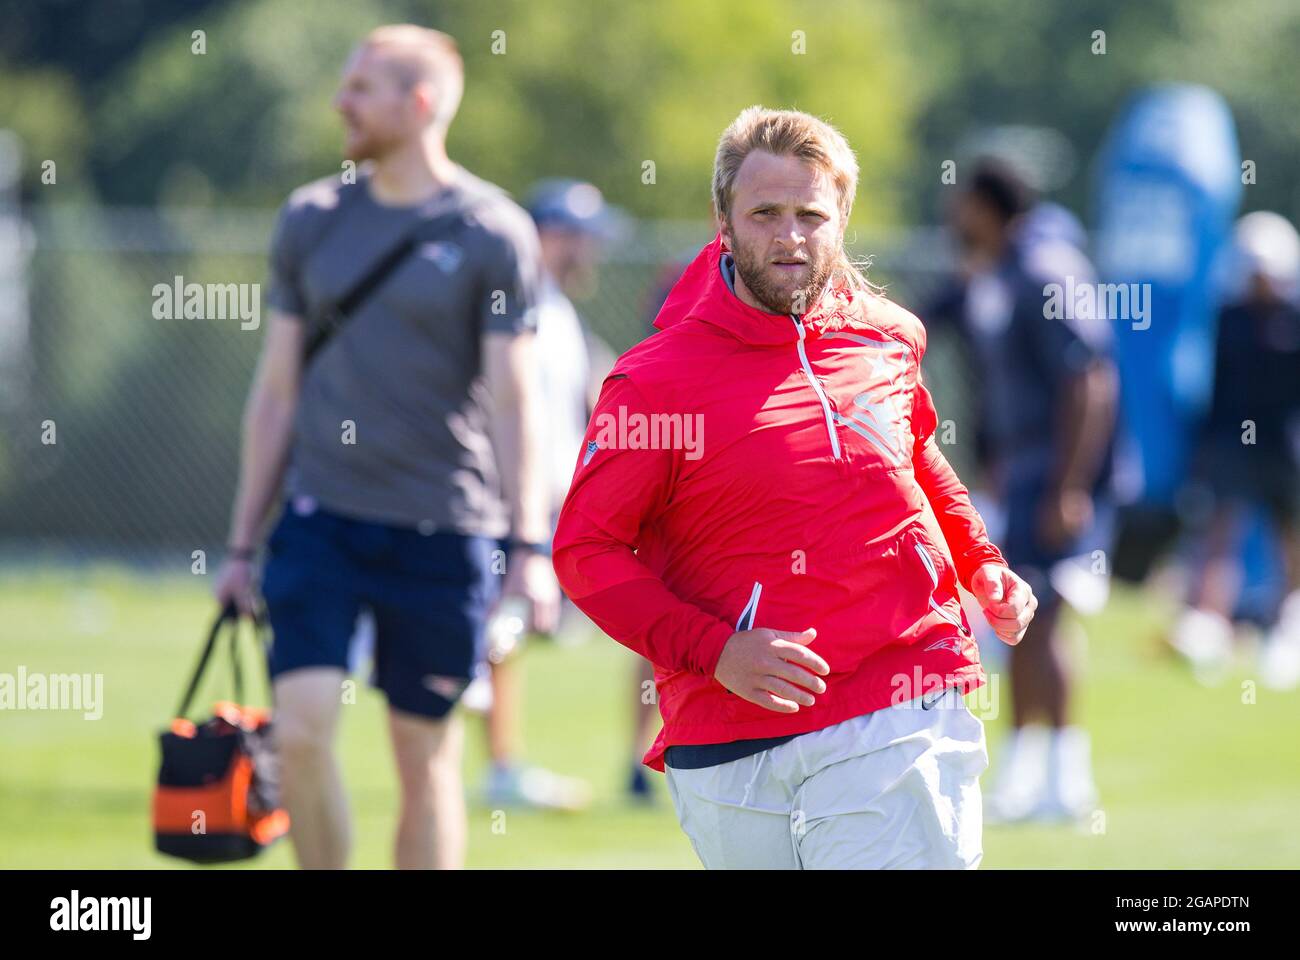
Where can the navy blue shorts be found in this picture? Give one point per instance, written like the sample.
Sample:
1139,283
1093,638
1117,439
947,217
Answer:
429,595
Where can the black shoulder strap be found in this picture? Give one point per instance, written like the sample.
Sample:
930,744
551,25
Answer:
334,317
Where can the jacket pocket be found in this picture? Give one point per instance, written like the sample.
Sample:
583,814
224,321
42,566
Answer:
942,578
747,617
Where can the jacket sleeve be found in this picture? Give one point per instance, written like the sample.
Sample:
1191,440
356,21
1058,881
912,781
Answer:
963,529
614,494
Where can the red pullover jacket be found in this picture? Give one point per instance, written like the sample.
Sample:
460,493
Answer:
746,469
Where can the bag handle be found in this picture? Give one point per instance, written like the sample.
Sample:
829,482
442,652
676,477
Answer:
229,614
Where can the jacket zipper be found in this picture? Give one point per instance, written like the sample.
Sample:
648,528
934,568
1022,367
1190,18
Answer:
817,388
928,562
747,616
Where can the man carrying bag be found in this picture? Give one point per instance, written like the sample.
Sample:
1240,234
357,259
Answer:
411,292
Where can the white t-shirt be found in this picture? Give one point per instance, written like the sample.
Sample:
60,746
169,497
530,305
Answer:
565,371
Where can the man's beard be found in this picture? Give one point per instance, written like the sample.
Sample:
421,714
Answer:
754,271
369,146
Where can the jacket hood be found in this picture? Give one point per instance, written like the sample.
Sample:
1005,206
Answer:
702,294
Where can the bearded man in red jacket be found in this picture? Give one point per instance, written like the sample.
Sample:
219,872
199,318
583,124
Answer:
762,512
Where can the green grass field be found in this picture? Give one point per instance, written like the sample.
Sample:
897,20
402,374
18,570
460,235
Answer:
1189,776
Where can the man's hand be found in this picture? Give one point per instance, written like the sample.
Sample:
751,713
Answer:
1006,600
531,576
772,668
235,585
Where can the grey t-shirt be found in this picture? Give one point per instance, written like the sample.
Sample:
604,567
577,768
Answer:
393,418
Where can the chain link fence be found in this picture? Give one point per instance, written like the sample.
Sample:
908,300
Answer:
121,430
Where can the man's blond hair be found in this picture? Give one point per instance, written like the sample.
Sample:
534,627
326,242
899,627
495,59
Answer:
418,53
791,133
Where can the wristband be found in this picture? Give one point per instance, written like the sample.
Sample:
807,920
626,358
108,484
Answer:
240,553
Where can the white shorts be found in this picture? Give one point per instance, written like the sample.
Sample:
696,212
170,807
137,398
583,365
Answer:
896,788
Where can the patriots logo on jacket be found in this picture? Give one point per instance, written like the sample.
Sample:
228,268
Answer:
446,255
947,643
877,419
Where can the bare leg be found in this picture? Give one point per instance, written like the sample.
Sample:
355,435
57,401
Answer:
510,782
431,830
1290,536
1216,588
1040,673
306,715
503,718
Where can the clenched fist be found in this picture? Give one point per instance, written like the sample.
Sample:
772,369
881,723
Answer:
772,668
1007,601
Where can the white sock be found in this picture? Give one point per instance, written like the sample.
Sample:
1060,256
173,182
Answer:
1069,769
1288,618
1279,664
1022,769
1202,636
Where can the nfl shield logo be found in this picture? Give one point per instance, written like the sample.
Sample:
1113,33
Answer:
446,255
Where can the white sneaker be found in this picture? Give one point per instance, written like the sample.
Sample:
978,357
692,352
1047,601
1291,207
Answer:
1071,793
1021,780
1279,661
477,697
537,789
1205,639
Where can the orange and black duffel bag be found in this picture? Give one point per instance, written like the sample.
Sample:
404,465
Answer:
217,798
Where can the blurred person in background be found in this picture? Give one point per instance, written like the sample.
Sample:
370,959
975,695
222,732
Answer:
400,520
1048,399
1247,454
574,223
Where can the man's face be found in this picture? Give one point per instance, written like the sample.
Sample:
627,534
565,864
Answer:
380,113
784,231
570,257
979,230
1263,290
